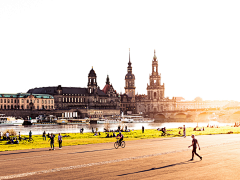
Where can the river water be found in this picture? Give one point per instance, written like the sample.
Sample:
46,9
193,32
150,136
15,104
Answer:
38,129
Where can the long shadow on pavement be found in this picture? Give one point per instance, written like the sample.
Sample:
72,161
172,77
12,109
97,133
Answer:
152,169
25,152
92,151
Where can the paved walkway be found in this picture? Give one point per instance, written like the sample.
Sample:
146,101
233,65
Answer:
143,159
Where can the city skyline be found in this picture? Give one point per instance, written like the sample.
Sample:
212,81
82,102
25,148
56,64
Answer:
57,43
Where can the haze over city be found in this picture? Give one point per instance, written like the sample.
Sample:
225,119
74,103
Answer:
51,43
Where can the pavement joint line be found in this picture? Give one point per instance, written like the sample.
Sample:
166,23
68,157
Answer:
101,163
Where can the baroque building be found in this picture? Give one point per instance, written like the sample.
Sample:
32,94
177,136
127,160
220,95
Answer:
128,105
155,100
26,101
96,101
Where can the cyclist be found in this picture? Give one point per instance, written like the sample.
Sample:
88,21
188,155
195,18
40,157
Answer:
120,136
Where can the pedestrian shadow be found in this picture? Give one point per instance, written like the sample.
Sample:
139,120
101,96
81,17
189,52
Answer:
91,151
167,166
25,152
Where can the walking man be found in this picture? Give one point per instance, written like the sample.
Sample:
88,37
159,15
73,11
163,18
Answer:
7,135
184,131
30,135
44,135
19,136
60,141
194,145
142,129
51,139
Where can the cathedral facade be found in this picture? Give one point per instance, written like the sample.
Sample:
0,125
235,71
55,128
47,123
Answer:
155,100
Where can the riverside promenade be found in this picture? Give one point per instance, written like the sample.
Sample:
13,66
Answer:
157,158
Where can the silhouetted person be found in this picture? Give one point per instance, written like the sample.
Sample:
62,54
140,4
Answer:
194,145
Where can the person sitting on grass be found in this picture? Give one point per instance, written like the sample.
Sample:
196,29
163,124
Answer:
16,141
163,131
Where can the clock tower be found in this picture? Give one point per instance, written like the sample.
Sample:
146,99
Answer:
155,89
130,81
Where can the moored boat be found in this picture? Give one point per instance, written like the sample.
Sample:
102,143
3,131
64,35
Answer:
10,121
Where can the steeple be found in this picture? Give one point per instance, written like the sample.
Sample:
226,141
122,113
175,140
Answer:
107,81
129,63
154,57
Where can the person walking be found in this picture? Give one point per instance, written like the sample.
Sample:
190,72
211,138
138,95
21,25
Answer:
30,135
60,140
142,129
194,145
92,130
184,131
19,136
51,139
0,135
44,135
7,135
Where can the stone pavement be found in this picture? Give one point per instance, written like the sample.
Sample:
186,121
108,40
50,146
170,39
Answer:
166,158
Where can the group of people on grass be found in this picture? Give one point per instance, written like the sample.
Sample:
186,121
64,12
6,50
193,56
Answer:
10,139
52,140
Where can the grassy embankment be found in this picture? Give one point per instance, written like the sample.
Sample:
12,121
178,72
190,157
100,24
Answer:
88,138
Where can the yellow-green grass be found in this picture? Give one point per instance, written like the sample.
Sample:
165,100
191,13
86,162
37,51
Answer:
89,138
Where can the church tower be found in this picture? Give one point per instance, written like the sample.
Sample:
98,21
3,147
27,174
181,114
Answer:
92,82
155,89
130,81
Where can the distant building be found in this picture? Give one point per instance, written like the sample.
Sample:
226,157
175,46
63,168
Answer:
198,103
155,100
128,104
89,98
25,101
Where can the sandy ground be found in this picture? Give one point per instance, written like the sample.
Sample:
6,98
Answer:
142,159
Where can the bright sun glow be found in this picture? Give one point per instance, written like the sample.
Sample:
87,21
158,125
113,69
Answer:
50,43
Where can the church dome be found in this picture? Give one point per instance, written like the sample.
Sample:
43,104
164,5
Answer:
92,73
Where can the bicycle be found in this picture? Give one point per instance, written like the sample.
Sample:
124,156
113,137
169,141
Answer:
25,140
117,144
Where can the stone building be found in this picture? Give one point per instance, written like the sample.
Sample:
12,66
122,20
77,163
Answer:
128,105
96,101
198,103
24,101
155,100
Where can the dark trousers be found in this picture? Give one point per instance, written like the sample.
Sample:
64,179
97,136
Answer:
120,140
52,145
60,144
194,151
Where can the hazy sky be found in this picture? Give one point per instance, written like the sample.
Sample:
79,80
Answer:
55,42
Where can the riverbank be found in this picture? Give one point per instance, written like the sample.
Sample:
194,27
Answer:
89,138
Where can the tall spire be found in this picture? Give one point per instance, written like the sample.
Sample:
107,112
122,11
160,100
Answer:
129,55
107,81
154,57
129,63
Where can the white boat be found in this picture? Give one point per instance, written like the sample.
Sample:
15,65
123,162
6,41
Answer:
10,121
126,120
110,121
101,121
135,119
